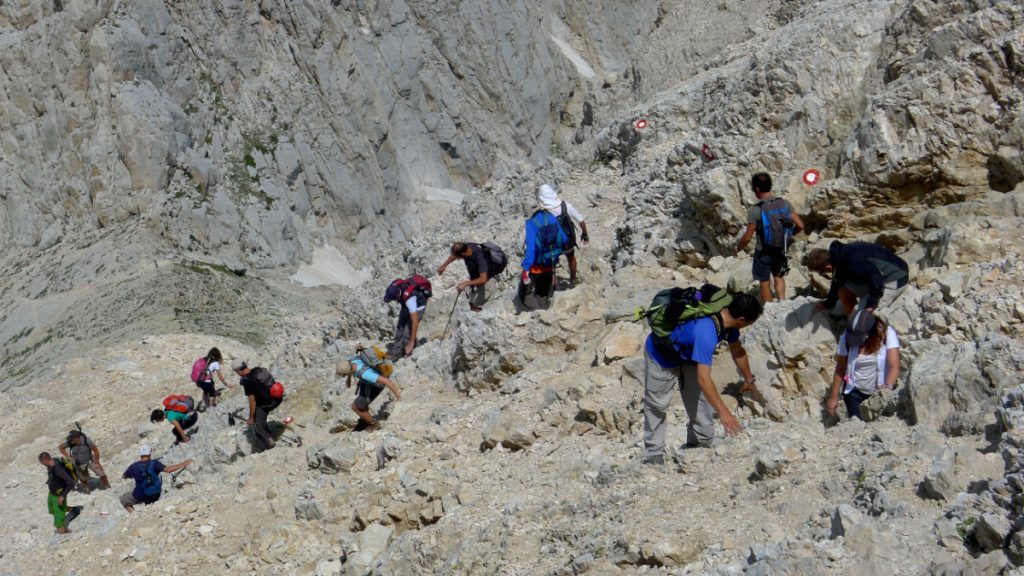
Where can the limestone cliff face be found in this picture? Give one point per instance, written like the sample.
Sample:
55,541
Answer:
258,130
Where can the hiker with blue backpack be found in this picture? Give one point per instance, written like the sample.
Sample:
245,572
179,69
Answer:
774,221
484,263
203,371
568,217
412,293
372,372
686,327
545,241
146,474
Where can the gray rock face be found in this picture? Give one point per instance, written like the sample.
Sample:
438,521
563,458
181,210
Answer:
337,456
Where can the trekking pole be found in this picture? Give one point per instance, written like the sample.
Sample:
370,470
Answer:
447,324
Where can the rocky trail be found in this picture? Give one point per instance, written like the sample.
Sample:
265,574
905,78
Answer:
516,447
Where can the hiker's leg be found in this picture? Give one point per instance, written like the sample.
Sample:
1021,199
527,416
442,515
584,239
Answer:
361,406
128,501
58,511
848,298
853,401
762,272
659,383
99,471
701,428
403,330
780,288
571,259
262,432
892,292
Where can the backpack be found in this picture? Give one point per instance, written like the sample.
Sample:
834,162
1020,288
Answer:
776,225
152,486
265,379
401,289
372,358
179,403
69,466
199,369
565,221
551,238
673,306
496,257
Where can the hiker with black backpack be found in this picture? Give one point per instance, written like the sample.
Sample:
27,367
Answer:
568,217
146,474
686,327
545,241
484,263
180,411
60,482
80,451
412,293
369,370
265,394
775,222
203,371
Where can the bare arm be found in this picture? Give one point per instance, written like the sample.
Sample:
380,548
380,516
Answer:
175,467
832,400
252,410
480,280
443,267
415,318
222,380
64,449
707,386
892,368
799,223
742,361
390,386
747,235
585,236
181,431
96,453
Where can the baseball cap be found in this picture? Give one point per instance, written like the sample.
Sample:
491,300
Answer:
238,364
145,450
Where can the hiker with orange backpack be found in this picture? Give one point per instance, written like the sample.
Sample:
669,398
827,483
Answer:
412,293
180,411
203,371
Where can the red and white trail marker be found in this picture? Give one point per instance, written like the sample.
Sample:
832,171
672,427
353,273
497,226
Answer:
812,177
641,124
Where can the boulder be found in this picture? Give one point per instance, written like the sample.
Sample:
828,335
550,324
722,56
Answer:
372,542
332,458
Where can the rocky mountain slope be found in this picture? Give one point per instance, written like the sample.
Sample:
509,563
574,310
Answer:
516,446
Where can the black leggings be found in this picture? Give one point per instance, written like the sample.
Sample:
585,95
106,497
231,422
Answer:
185,425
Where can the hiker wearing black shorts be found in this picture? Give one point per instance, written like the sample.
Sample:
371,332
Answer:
211,368
770,215
370,383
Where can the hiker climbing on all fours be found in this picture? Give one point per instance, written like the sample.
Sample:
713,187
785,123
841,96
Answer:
679,354
484,263
412,294
774,221
368,367
568,217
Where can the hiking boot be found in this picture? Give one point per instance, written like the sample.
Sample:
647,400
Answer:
658,460
360,426
73,513
372,427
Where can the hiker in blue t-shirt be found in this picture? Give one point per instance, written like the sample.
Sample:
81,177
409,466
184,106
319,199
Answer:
146,473
685,357
369,384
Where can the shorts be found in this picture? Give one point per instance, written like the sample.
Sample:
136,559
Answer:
128,499
83,470
367,392
208,388
770,262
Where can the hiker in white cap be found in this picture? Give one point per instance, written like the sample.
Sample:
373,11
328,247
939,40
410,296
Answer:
568,216
146,473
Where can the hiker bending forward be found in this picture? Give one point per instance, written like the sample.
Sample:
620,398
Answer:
480,265
85,456
864,365
370,384
146,474
684,358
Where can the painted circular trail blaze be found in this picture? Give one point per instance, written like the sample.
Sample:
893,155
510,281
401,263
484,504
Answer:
289,420
811,177
641,124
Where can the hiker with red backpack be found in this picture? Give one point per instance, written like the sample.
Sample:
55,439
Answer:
568,217
775,222
265,394
412,293
484,263
545,240
686,327
203,371
180,411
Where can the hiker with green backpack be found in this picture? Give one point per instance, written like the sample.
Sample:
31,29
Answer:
775,222
146,474
686,327
484,263
371,372
60,481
